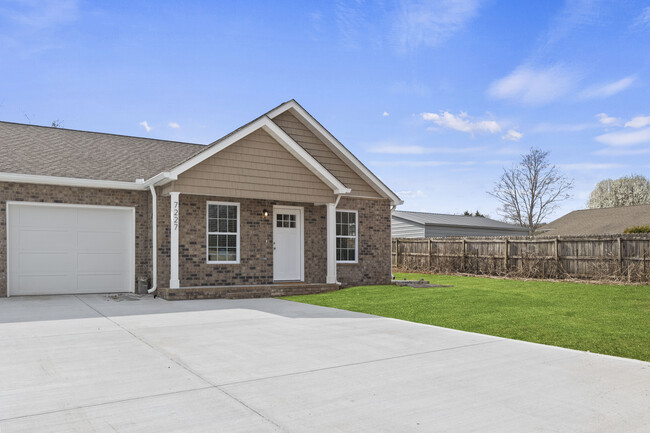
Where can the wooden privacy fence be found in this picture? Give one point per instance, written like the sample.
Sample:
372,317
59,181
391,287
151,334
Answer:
594,257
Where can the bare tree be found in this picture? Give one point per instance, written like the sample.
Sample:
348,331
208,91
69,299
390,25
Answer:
57,123
530,190
625,191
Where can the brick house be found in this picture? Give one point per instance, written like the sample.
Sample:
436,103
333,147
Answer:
277,206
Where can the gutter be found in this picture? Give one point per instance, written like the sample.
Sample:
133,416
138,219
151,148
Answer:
69,181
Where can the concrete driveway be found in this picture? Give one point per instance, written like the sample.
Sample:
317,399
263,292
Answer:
129,364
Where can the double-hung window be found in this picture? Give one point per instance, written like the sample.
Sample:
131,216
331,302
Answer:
347,236
223,232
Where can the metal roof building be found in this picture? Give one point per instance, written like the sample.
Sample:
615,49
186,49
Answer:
407,224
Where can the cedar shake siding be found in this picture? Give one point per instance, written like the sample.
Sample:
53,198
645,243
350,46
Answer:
323,154
256,166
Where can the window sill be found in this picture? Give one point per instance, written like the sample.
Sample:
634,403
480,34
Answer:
222,263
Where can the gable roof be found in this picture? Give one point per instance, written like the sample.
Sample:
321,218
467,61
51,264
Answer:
280,136
46,151
612,220
341,151
39,154
456,220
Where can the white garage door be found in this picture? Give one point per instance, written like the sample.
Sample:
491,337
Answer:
57,249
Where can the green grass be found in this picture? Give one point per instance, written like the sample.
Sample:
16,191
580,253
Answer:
609,319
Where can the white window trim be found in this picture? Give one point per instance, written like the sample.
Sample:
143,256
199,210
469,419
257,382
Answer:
208,233
356,237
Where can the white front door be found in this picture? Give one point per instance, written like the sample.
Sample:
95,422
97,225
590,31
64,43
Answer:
288,243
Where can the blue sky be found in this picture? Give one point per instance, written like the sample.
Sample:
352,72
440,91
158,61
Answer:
434,97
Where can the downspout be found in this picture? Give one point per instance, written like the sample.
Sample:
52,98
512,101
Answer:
154,240
392,209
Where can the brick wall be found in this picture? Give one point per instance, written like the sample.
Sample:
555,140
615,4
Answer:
139,200
256,265
256,240
374,265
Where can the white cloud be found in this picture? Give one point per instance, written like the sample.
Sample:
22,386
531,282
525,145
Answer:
638,122
462,123
399,150
607,89
41,14
608,120
643,20
512,135
411,194
396,149
574,15
427,23
385,114
617,151
412,88
625,138
561,127
410,163
586,166
174,125
145,125
533,86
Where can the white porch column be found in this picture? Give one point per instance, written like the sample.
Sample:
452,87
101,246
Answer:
331,243
174,282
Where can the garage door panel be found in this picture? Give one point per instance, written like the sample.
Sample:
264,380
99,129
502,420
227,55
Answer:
101,240
101,263
46,216
49,284
102,283
107,219
56,249
46,263
45,240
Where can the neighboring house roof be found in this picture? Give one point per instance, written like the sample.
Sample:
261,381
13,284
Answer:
456,220
40,154
605,221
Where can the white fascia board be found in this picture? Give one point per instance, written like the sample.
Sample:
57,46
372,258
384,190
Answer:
304,157
70,181
327,137
281,137
160,179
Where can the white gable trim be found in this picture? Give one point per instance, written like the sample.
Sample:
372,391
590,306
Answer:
281,137
326,137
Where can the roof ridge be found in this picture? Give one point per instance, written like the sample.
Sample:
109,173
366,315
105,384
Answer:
101,133
437,213
610,207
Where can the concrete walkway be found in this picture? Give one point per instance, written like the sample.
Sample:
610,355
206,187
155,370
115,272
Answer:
129,364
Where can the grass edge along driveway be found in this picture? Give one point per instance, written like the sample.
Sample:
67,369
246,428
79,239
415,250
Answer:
608,319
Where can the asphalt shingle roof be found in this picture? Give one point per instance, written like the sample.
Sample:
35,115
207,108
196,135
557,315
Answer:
47,151
455,220
611,220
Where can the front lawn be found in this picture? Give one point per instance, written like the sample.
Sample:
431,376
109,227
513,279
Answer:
609,319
